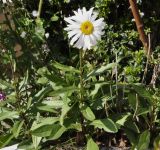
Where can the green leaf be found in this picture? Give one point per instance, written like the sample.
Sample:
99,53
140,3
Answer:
46,108
4,84
57,131
24,81
97,87
65,68
71,123
44,121
143,92
132,136
132,100
42,80
101,70
39,30
54,18
8,115
5,139
26,145
157,143
87,113
63,91
132,126
42,93
54,103
36,141
122,120
76,126
17,128
44,127
91,145
65,109
43,131
142,111
144,140
43,71
107,124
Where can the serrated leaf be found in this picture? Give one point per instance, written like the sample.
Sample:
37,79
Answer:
54,103
24,81
91,145
42,93
107,124
4,84
5,139
17,128
8,115
36,141
65,109
65,68
87,113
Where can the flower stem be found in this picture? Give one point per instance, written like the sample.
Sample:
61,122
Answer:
40,8
81,75
80,140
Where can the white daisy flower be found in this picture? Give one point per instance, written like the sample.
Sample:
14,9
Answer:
83,29
23,34
47,35
34,13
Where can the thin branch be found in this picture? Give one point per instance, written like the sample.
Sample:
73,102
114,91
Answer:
139,25
40,8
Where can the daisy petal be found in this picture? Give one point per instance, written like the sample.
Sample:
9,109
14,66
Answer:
75,38
72,33
80,42
90,13
94,16
93,40
98,22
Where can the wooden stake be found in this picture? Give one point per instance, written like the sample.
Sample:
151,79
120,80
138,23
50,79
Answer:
139,25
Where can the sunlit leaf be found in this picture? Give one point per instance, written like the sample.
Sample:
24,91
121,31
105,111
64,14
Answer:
87,113
107,124
91,145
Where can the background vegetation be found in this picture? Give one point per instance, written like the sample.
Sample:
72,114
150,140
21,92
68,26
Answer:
39,78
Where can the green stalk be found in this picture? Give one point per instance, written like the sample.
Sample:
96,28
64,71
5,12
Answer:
81,75
81,135
40,8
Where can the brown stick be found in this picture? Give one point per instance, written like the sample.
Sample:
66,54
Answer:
139,25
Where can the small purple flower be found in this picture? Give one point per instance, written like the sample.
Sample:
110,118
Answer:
2,96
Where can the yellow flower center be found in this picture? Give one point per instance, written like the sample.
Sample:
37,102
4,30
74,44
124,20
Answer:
87,27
